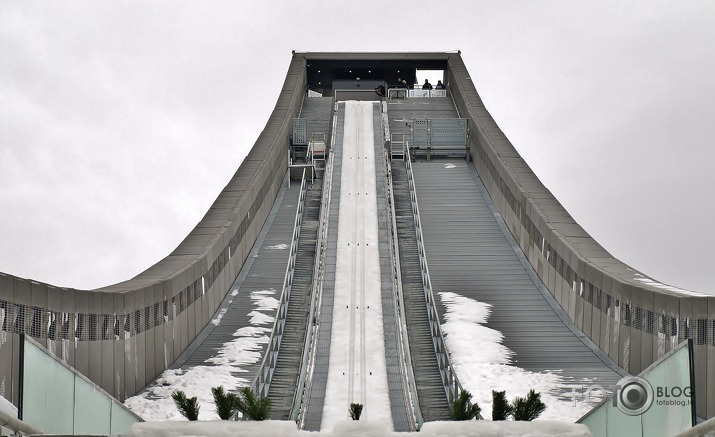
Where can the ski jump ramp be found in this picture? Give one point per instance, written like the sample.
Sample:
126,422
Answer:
124,335
357,351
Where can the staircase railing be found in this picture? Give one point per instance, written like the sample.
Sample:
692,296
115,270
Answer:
451,383
305,381
408,376
262,383
403,341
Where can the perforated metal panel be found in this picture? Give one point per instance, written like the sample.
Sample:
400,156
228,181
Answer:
420,133
448,133
300,132
440,133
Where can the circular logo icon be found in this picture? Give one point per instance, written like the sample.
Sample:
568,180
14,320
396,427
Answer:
634,396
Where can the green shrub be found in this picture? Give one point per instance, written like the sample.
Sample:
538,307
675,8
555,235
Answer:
188,408
501,410
226,403
528,408
252,406
355,411
462,409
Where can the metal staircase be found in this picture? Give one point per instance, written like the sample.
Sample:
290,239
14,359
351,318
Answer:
285,377
430,388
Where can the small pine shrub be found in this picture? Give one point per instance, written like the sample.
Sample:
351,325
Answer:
355,411
501,410
188,408
252,406
528,408
462,408
226,403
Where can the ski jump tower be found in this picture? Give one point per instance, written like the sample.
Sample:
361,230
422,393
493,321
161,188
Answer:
122,336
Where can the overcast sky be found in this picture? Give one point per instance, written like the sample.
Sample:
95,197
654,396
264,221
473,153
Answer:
120,122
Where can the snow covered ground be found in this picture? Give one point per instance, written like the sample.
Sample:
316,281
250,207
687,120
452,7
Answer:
483,363
357,369
155,402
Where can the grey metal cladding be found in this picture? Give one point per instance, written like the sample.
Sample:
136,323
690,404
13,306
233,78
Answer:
528,207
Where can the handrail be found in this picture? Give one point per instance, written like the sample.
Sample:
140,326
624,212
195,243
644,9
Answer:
405,355
423,93
702,429
261,384
385,124
451,383
305,380
315,138
17,426
306,369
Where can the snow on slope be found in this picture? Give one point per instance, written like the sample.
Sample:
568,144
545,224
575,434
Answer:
155,402
484,364
357,369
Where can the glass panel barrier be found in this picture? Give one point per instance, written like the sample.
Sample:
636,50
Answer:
47,391
92,410
658,402
122,419
59,400
596,422
671,409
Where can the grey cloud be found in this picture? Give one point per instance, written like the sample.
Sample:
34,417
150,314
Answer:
120,122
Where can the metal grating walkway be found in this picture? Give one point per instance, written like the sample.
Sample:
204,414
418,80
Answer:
401,420
471,253
316,395
285,377
430,390
318,113
402,112
264,269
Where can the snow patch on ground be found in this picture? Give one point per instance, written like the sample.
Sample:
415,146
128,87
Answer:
484,364
155,403
219,316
